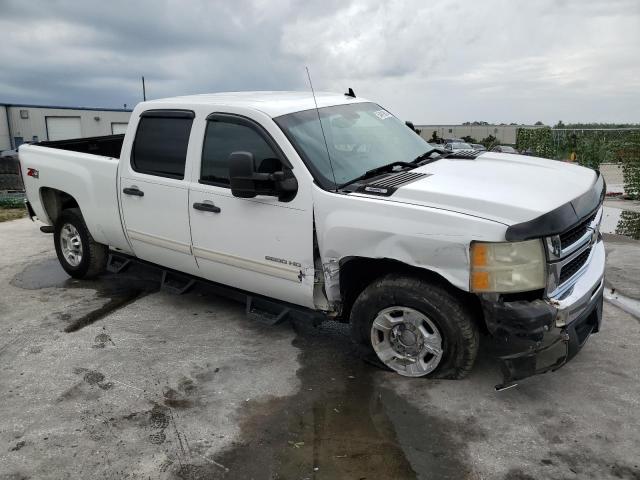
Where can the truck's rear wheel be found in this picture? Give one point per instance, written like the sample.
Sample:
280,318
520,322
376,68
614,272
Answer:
415,328
79,254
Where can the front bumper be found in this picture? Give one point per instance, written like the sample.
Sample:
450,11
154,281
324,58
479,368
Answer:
542,335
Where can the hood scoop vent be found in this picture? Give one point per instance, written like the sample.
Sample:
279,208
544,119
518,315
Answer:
465,154
388,185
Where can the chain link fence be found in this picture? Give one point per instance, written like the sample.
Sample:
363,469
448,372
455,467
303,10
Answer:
11,199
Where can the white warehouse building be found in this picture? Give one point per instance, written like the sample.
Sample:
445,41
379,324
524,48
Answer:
505,134
36,123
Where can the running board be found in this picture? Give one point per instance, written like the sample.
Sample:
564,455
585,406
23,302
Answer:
265,311
174,283
116,263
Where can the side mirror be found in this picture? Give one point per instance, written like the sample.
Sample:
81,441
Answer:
245,182
241,172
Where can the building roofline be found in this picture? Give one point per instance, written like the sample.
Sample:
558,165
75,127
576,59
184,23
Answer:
58,107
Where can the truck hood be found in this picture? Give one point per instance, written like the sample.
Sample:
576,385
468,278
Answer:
503,187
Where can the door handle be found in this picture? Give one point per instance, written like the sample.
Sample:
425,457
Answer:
206,207
133,191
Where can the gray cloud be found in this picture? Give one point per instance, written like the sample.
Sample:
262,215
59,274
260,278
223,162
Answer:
446,61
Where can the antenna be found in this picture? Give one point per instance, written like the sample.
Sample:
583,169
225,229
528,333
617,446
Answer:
326,145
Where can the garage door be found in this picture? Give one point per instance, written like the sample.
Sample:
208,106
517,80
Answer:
118,128
62,128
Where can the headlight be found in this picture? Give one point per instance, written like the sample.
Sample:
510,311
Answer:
507,267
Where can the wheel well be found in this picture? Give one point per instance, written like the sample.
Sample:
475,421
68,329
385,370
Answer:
55,201
356,273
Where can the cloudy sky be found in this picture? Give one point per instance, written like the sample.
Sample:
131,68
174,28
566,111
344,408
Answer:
430,61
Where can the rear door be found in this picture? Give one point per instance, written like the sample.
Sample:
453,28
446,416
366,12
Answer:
154,194
262,244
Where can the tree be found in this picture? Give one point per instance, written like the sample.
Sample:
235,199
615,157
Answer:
435,138
410,124
469,139
560,124
538,123
489,142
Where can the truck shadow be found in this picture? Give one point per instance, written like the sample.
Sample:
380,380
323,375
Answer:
345,421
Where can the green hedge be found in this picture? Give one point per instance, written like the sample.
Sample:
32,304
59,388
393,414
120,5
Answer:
11,201
537,140
591,148
627,151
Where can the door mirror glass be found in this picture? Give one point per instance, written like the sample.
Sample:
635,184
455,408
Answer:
270,179
241,175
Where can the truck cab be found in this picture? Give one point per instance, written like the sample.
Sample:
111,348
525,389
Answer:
331,204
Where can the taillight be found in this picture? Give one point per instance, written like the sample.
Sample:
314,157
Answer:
32,172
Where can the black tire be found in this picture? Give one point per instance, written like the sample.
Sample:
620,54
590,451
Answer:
459,332
94,254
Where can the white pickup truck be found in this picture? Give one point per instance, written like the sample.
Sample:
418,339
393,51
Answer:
338,209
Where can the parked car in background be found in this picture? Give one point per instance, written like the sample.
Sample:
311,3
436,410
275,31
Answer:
479,147
9,154
504,149
10,171
458,147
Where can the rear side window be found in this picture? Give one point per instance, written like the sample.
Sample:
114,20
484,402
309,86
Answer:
160,146
222,139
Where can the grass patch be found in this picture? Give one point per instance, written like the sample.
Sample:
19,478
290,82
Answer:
7,214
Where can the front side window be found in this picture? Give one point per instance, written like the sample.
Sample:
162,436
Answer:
160,146
359,137
222,138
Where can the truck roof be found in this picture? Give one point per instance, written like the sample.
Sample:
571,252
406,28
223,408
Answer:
272,103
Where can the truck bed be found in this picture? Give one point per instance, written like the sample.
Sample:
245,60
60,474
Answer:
106,146
84,169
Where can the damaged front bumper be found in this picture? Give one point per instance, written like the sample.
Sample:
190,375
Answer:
542,335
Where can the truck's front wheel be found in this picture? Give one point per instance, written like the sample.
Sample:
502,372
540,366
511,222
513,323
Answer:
79,254
414,327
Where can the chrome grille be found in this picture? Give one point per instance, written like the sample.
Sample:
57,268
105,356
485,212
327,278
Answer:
572,267
571,236
570,251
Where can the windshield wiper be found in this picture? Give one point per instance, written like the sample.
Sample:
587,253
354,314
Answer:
375,171
427,154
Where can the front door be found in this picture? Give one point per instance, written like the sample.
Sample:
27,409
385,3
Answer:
154,193
260,244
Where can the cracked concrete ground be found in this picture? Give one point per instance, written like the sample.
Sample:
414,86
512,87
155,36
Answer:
115,379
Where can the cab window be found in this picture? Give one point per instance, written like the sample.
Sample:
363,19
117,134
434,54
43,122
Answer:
160,146
223,138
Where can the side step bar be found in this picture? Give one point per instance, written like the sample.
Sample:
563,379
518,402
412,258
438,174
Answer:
175,283
116,263
266,311
262,309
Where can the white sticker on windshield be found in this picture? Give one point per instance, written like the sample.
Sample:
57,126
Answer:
382,114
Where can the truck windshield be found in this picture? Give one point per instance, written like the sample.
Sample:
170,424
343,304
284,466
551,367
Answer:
360,137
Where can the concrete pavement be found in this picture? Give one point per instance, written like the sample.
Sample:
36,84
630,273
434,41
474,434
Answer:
115,379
